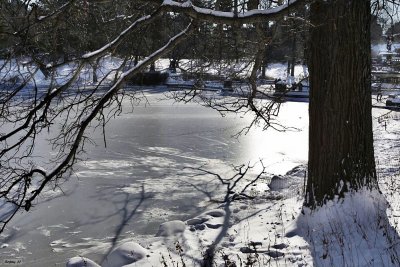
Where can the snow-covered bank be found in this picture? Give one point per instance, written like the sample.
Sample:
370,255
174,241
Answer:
271,230
382,47
249,229
19,70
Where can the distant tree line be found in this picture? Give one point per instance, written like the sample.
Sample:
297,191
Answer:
79,29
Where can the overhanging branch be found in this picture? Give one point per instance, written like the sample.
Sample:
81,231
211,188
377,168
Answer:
210,15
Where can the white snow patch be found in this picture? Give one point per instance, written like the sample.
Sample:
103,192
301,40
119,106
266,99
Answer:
353,231
125,254
81,262
279,71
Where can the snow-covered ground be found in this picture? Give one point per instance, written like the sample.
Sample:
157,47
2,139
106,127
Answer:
20,70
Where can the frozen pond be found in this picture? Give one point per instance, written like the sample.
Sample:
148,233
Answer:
139,180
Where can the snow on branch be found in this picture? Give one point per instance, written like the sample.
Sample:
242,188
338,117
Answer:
211,15
116,41
139,22
40,19
57,12
197,13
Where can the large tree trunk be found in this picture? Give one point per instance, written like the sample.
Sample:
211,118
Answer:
341,153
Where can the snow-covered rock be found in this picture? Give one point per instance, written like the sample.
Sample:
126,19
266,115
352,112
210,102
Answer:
171,228
277,183
292,179
81,262
127,253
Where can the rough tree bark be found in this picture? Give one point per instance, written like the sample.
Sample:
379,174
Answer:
341,153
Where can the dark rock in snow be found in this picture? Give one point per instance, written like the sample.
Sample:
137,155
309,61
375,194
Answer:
255,243
197,227
291,234
197,220
200,227
275,254
213,226
280,246
247,250
277,183
215,213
